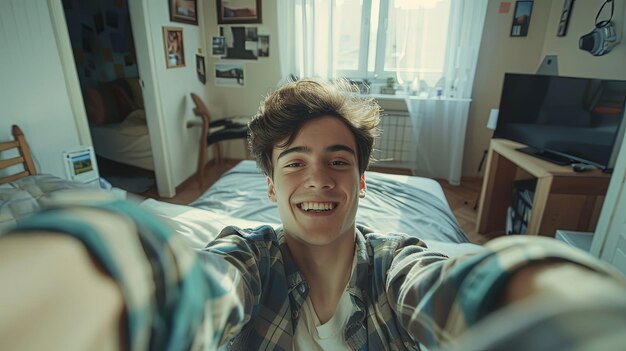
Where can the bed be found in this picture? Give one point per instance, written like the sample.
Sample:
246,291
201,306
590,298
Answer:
117,122
393,203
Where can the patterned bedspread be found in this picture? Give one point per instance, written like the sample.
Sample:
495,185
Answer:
24,196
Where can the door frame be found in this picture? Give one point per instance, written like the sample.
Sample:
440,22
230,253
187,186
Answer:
140,24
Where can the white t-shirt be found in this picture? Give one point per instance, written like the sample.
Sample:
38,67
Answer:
312,336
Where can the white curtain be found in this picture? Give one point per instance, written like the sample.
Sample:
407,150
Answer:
305,34
439,123
305,29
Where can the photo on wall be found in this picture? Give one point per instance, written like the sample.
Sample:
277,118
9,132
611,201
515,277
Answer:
241,42
238,11
218,46
264,45
184,11
200,68
566,13
174,50
230,74
521,18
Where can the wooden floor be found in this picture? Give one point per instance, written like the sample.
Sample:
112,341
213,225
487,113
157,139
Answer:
462,199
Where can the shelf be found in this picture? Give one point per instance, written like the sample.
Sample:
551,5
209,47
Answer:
563,199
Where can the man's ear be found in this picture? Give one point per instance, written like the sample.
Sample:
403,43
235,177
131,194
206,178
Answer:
362,186
270,190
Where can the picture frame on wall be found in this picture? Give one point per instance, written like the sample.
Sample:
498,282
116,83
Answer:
174,47
184,11
264,45
200,68
238,11
229,75
521,18
218,46
566,13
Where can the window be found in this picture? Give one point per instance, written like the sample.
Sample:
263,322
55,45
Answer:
404,39
429,45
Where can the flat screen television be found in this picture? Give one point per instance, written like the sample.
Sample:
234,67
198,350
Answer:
564,120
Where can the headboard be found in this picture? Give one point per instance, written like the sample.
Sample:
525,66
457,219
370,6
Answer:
24,157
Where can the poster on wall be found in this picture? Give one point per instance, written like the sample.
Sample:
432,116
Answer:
241,42
229,75
521,18
566,13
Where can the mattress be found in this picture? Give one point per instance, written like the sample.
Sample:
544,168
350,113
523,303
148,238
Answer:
393,203
127,142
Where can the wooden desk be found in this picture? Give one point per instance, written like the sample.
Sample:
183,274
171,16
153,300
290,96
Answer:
563,199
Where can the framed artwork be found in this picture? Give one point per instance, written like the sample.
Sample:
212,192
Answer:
238,11
521,18
230,75
218,46
200,68
264,45
565,15
174,48
184,11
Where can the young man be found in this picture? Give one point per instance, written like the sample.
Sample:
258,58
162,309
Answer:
322,283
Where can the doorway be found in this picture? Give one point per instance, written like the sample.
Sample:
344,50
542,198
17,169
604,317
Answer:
104,53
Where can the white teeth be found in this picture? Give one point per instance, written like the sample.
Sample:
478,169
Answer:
317,206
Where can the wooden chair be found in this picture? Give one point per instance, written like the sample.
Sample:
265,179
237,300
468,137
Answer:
24,157
224,129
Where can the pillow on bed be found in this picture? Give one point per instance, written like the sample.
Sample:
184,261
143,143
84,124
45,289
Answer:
117,101
94,106
135,89
111,101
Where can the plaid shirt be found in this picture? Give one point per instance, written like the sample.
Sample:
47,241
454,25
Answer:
403,292
245,288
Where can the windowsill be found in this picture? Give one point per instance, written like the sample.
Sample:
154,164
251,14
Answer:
412,97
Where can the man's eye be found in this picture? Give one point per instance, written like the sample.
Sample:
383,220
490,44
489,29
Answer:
339,163
293,164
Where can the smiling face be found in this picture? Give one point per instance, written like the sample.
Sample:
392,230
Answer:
316,183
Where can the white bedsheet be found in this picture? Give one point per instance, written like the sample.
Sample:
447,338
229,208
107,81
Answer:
413,205
127,142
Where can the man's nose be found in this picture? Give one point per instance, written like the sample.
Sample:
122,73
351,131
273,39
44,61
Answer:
319,177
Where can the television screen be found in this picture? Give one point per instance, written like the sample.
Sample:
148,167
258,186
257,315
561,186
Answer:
563,119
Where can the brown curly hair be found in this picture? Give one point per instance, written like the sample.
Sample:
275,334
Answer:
283,112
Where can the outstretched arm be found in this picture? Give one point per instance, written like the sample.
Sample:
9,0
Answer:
441,302
116,272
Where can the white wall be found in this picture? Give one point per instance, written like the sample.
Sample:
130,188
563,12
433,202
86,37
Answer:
261,75
167,92
33,92
576,62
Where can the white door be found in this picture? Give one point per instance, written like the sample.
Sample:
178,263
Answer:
614,250
609,240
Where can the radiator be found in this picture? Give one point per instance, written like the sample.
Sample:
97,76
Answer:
393,147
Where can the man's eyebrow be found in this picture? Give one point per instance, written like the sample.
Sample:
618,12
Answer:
285,152
307,150
340,147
